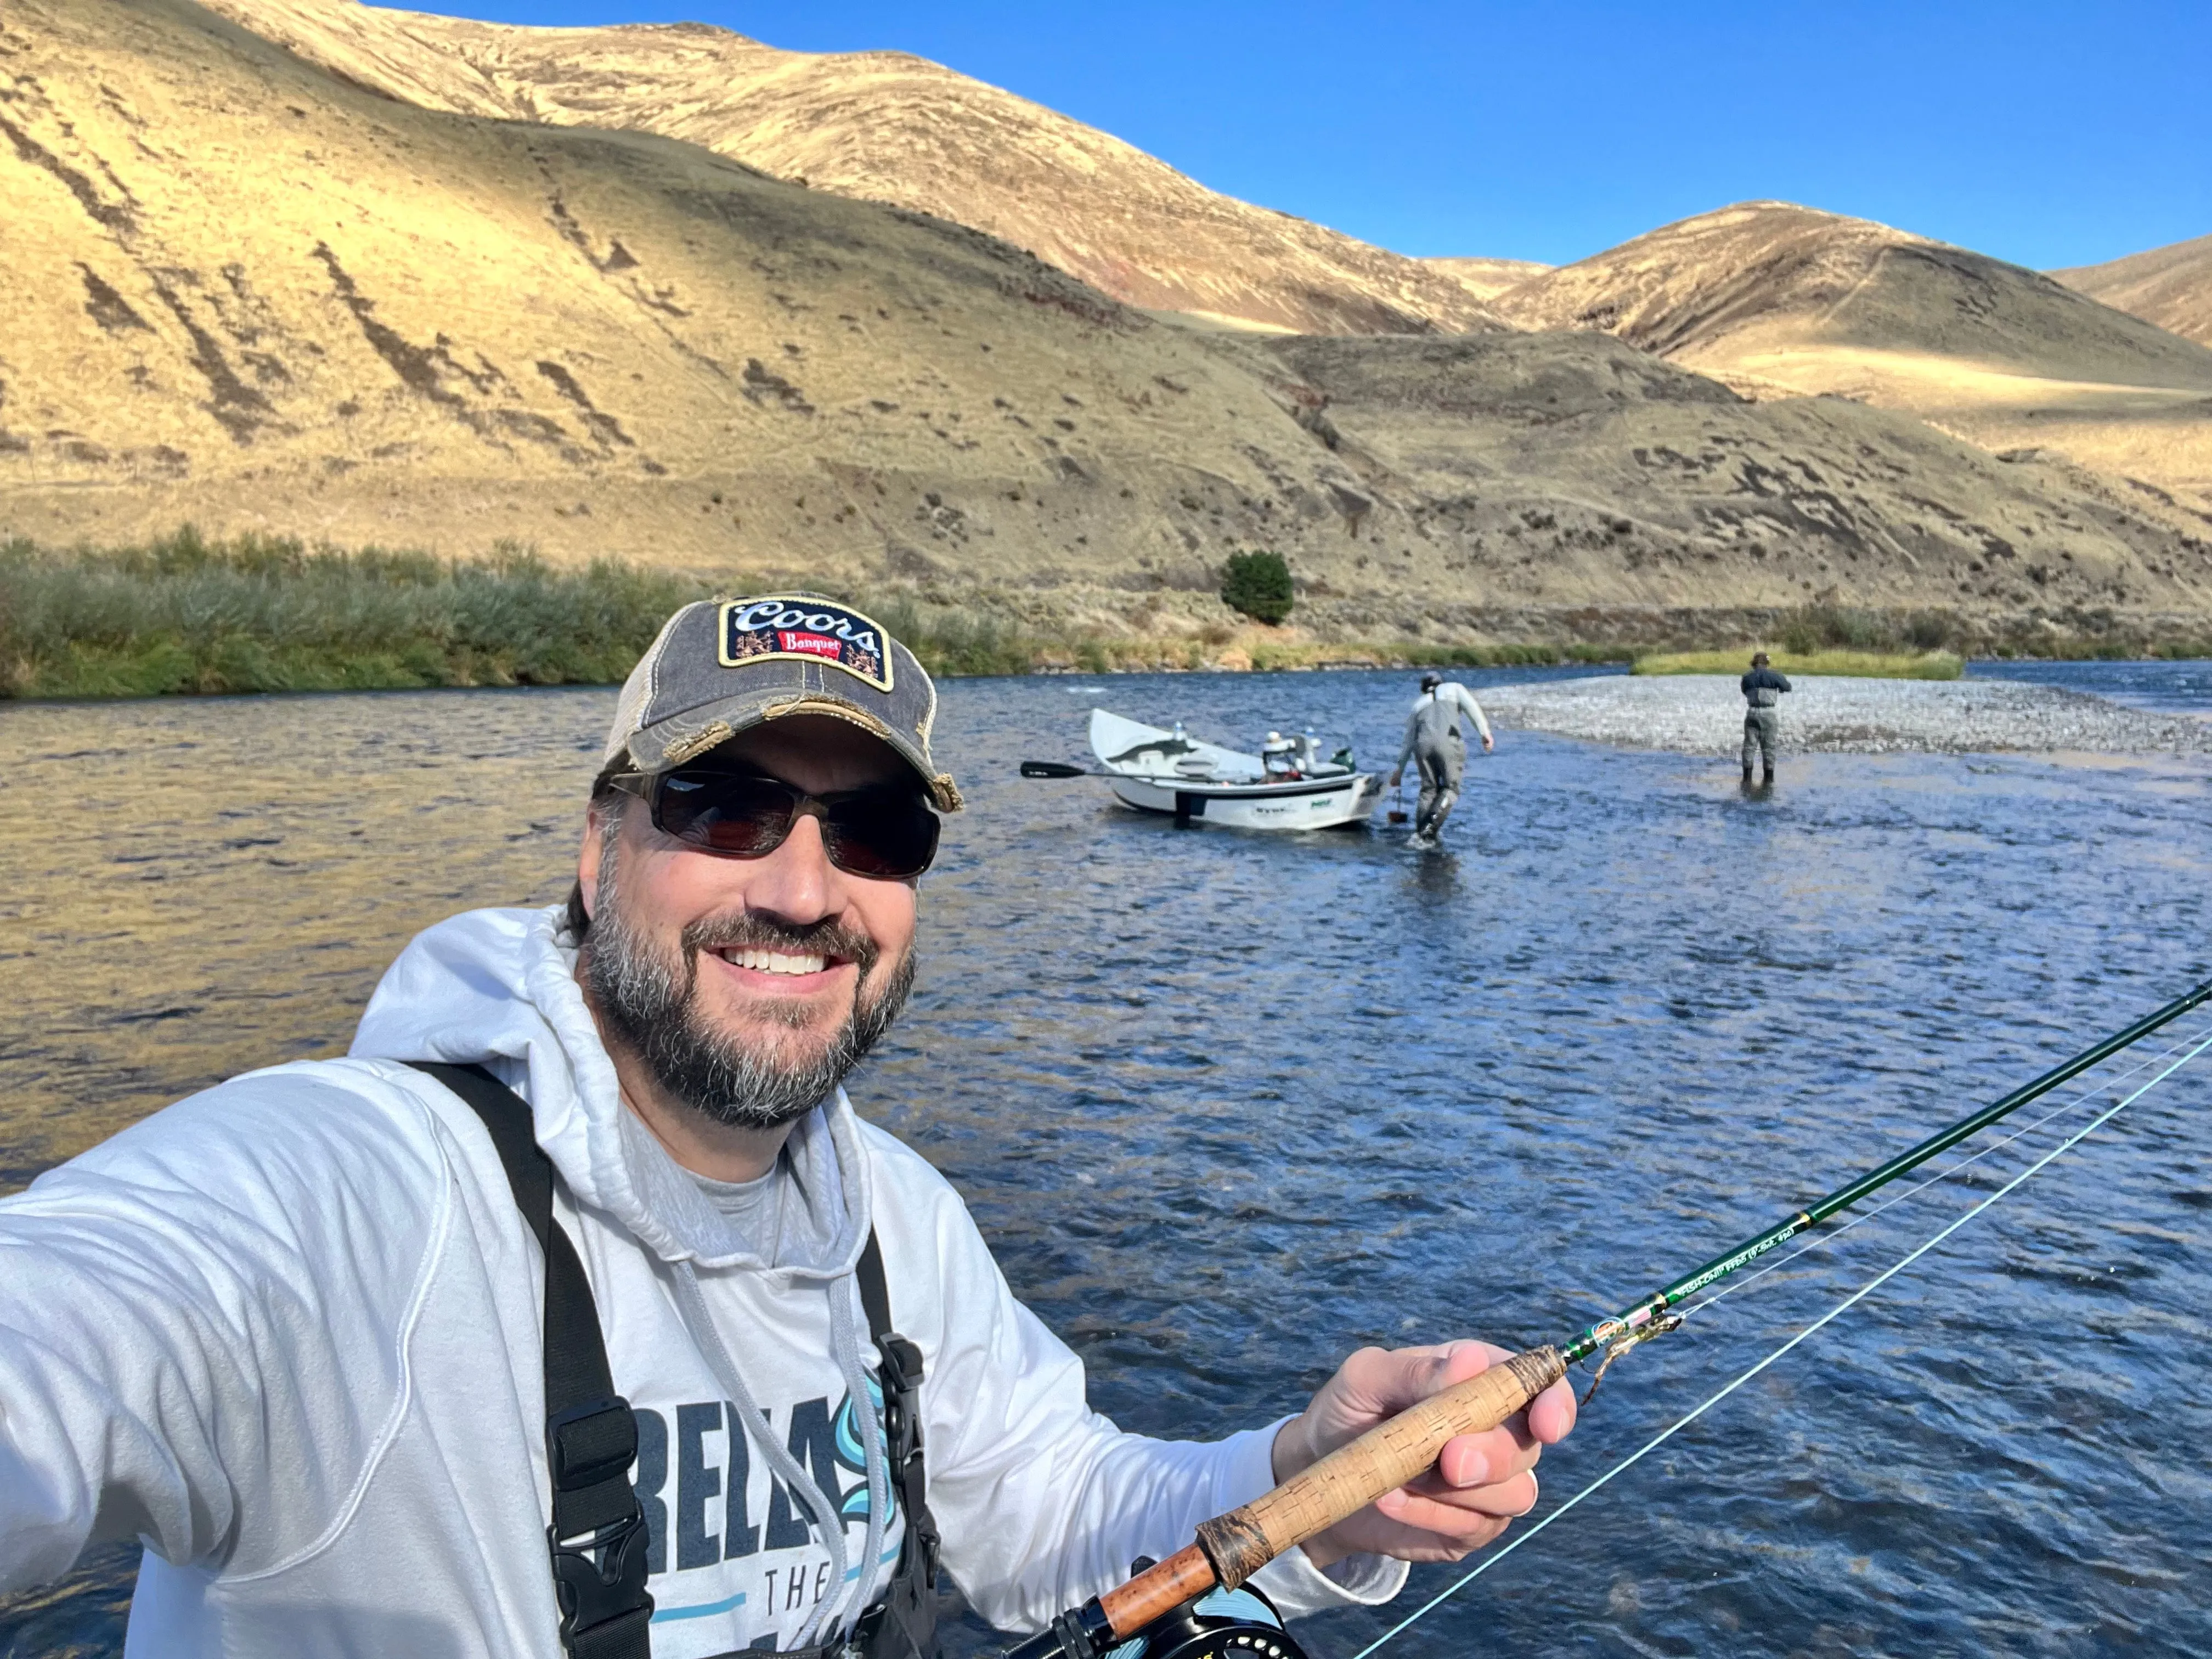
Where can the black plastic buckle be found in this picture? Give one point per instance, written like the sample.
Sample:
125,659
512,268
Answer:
600,1578
599,1564
901,1374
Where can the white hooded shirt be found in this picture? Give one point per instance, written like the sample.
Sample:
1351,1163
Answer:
287,1331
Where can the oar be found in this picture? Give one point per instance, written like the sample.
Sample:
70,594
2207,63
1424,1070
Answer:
1057,769
1231,1547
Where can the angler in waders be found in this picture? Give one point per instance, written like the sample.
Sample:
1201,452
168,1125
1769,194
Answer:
576,1310
1436,742
1762,720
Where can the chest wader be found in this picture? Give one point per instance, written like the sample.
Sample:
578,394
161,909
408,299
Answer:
597,1538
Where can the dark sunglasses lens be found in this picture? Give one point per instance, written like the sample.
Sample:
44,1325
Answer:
746,817
889,835
892,835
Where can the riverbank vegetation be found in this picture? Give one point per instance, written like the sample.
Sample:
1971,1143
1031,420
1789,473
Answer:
1864,665
184,613
2075,635
188,614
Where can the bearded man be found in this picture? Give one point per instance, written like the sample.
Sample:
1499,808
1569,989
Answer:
576,1310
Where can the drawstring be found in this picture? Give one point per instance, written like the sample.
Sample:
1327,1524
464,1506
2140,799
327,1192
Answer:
691,1307
844,1339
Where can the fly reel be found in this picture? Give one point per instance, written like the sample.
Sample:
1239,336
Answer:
1239,1624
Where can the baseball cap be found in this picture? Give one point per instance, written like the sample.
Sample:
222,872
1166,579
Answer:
722,666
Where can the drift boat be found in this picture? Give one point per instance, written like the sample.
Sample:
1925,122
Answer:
1289,787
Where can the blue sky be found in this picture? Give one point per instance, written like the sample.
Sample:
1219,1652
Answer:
2048,134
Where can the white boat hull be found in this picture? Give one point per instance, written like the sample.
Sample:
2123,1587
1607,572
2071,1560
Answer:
1309,804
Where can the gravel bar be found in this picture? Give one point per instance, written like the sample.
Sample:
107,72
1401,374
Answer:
1702,714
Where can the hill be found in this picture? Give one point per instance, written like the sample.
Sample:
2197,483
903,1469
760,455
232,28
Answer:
1779,299
2170,286
1486,279
246,292
884,126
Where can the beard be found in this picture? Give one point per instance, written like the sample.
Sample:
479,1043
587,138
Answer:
650,1003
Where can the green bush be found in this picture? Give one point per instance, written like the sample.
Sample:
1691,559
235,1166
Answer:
1258,585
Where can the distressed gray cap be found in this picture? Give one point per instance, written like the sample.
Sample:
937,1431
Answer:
722,666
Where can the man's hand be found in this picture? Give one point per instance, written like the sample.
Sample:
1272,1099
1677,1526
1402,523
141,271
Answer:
1487,744
1480,1481
1397,773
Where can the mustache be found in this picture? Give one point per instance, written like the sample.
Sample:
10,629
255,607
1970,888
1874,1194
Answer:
748,930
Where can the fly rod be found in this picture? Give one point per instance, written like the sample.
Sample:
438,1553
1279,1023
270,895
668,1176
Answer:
1231,1547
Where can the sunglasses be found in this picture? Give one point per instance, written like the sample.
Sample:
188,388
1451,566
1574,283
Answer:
885,833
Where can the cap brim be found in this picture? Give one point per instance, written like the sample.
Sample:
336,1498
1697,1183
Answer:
687,736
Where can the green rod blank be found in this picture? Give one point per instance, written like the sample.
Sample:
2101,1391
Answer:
1634,1319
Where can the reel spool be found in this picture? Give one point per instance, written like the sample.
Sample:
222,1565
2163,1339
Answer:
1239,1624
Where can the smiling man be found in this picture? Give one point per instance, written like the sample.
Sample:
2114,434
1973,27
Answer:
577,1309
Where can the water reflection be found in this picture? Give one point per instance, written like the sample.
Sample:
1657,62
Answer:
1227,1105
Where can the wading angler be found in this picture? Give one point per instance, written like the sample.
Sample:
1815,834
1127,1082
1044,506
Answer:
576,1309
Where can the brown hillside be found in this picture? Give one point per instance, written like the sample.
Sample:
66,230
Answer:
1553,467
1486,279
1779,299
2170,286
888,127
242,291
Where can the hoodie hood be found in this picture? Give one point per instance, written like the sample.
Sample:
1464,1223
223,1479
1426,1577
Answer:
498,988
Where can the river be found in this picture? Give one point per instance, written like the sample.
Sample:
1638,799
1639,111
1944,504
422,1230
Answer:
1227,1106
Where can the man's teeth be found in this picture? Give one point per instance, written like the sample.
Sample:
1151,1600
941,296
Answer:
774,962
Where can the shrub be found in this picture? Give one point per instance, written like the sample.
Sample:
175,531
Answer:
184,614
952,642
1872,665
1258,585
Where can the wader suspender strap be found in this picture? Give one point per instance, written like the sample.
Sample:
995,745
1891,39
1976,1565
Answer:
904,1625
597,1537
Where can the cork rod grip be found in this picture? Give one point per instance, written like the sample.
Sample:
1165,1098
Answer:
1231,1547
1382,1460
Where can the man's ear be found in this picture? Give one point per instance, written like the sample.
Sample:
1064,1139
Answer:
590,854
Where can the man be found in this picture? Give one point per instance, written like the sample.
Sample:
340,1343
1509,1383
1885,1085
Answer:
298,1334
1434,740
1762,720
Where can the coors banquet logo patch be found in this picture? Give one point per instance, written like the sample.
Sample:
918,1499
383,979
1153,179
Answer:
812,631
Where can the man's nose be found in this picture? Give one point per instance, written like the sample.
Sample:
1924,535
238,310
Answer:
797,883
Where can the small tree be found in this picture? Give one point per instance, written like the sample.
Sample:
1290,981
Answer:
1258,585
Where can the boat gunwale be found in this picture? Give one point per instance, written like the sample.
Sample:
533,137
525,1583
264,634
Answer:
1230,791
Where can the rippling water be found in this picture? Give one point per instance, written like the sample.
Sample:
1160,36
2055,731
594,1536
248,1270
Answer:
1228,1105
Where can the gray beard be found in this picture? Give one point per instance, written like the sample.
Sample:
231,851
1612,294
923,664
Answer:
650,1003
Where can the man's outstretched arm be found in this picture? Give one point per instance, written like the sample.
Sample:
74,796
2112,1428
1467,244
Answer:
194,1322
1465,699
